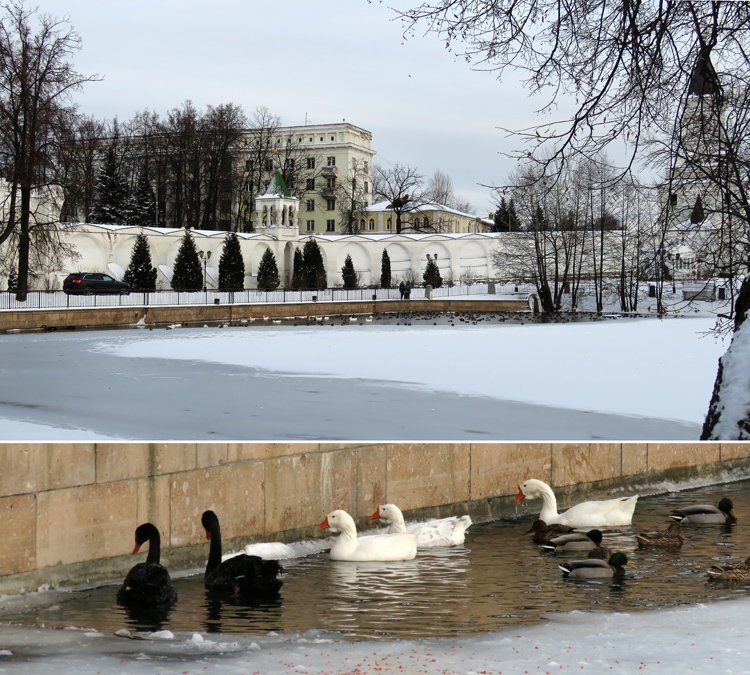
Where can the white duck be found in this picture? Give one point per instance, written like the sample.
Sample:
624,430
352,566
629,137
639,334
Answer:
607,513
437,532
375,548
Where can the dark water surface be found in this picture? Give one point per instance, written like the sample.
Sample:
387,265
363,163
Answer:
499,579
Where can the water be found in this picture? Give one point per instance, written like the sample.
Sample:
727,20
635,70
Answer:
498,580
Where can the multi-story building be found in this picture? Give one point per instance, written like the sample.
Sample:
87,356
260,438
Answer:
326,166
423,217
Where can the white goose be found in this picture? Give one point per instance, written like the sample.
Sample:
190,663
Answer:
607,513
375,548
437,532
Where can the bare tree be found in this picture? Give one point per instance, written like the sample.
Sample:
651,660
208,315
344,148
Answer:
440,190
36,80
352,195
401,187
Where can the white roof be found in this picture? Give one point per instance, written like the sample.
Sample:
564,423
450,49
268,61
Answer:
384,206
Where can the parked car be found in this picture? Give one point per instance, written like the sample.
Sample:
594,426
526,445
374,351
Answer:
94,282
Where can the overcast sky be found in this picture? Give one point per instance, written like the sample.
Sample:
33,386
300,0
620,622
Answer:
318,61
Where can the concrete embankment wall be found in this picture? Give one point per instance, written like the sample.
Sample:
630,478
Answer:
69,510
109,317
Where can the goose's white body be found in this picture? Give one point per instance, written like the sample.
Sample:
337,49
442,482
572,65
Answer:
431,533
375,548
606,513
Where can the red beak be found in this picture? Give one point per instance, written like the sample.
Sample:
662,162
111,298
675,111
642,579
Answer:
324,524
136,548
520,496
376,515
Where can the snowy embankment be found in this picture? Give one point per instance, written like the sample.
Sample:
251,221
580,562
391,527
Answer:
641,367
701,638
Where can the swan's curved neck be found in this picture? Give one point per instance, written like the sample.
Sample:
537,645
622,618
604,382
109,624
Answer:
154,547
549,504
214,553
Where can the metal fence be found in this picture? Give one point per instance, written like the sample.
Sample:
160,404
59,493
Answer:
59,300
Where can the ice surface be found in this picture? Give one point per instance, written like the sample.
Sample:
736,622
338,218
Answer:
646,367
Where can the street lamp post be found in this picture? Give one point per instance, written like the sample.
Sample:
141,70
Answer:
205,257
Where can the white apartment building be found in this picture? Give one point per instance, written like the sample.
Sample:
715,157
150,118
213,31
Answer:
331,153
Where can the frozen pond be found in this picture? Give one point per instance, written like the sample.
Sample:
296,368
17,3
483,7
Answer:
498,580
458,379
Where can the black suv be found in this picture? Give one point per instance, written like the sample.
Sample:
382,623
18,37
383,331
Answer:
94,282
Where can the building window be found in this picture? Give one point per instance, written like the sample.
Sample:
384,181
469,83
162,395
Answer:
362,224
331,182
311,226
426,222
310,184
330,225
388,224
372,224
248,165
311,162
332,138
331,204
367,187
330,161
269,165
673,198
310,204
416,223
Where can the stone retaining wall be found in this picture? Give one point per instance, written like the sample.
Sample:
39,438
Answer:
69,510
108,317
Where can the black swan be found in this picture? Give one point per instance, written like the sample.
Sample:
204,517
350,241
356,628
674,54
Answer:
248,574
148,583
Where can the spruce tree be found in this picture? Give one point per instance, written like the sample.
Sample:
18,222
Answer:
111,192
314,275
188,271
385,270
514,225
431,274
141,205
501,217
231,265
141,274
298,271
349,274
268,272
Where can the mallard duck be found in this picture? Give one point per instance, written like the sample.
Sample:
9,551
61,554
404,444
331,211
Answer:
604,513
706,514
672,536
736,572
543,532
593,568
574,541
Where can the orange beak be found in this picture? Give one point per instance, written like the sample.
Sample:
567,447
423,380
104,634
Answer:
324,524
376,515
520,496
136,548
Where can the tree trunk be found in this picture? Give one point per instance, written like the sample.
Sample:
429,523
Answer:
715,407
24,245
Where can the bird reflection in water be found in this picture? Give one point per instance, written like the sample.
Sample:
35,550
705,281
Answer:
224,612
148,618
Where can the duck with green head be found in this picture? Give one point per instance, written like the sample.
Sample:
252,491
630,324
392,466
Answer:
594,568
706,514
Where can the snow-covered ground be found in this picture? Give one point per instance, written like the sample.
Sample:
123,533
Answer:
697,639
640,367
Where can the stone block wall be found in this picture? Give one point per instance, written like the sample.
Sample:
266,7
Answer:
69,510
